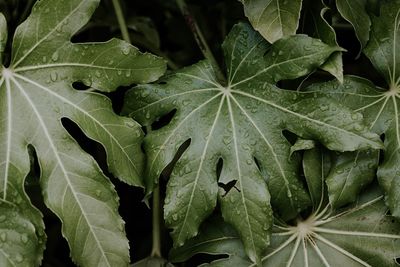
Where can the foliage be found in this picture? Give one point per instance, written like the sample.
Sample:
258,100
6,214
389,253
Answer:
270,141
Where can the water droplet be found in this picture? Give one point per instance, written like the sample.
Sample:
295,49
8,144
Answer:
98,192
44,59
55,56
130,124
128,73
19,258
53,76
125,49
147,115
249,161
174,217
323,107
3,236
226,140
97,73
24,238
280,52
119,72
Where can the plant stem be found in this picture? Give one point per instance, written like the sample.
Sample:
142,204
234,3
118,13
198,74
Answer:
156,246
121,21
201,42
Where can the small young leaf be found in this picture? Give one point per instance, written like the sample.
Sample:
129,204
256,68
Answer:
274,19
35,94
350,173
238,122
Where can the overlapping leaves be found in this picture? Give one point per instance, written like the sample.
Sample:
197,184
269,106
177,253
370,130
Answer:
35,94
360,235
380,107
240,124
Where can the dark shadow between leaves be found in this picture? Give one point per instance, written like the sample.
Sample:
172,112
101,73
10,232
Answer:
289,136
166,172
95,149
164,120
80,86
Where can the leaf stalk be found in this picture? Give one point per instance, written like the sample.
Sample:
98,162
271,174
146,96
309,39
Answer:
121,21
200,40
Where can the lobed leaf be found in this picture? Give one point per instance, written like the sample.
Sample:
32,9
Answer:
240,123
36,93
359,235
380,107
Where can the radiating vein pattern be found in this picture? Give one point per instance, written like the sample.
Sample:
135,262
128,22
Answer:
240,124
36,95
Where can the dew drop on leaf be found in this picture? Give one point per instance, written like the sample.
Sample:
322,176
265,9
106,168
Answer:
24,238
19,258
3,237
53,76
98,192
55,56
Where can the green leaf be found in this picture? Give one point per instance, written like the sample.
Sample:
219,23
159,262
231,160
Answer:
238,123
36,93
317,26
380,108
215,237
383,48
274,19
355,12
313,172
359,235
3,35
302,144
350,173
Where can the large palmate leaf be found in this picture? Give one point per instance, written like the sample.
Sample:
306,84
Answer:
379,107
35,93
240,123
274,19
359,235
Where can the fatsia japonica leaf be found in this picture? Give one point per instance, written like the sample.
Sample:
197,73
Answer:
359,235
35,94
355,13
380,107
240,123
274,19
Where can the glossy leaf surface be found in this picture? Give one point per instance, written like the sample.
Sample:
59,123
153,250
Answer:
238,123
274,19
35,94
379,107
359,235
